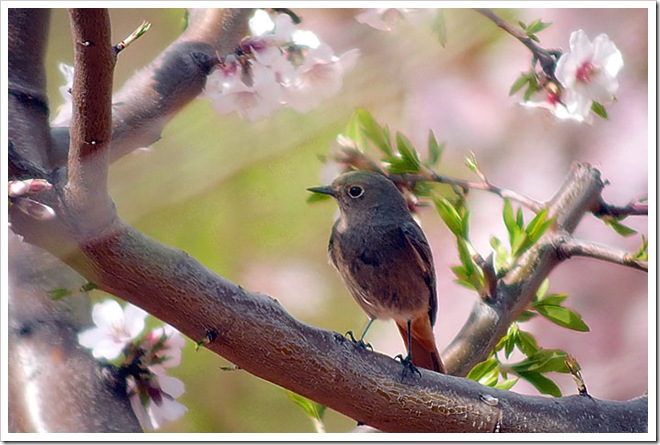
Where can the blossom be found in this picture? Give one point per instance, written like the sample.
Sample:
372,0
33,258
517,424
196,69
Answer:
384,19
163,346
277,66
318,77
153,399
65,111
551,99
231,93
588,73
115,329
17,191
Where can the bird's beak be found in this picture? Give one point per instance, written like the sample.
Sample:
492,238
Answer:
325,190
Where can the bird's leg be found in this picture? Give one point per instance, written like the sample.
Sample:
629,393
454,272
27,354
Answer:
361,342
408,367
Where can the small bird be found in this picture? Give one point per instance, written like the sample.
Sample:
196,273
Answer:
385,260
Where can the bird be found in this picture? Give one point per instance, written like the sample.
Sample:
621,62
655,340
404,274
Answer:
385,260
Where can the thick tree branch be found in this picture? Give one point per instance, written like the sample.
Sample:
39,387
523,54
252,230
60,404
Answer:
28,124
257,334
91,124
568,247
48,373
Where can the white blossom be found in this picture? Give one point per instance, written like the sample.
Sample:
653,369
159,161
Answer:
65,111
588,73
115,328
278,66
384,19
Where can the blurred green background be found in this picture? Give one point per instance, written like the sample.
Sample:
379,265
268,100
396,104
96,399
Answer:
232,193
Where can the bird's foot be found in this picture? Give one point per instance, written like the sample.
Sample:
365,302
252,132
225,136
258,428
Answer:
408,367
360,343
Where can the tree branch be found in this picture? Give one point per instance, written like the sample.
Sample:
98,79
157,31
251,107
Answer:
487,186
48,373
634,207
490,319
568,247
91,124
28,124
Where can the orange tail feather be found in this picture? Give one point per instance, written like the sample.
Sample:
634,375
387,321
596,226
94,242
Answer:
424,352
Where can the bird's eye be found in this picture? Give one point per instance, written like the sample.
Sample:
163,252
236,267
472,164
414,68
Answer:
355,191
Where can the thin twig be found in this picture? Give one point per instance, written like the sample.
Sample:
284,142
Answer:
139,31
634,207
568,246
486,186
546,58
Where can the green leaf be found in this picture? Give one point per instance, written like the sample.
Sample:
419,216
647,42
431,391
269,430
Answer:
538,225
537,26
526,316
483,369
562,316
642,253
407,152
551,300
509,221
450,216
470,273
374,132
519,83
527,343
435,150
543,384
507,384
57,294
532,88
520,243
599,109
312,409
510,343
466,284
502,257
544,360
519,218
621,229
471,162
439,27
543,288
465,257
354,132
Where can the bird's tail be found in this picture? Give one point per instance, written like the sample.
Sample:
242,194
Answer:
424,351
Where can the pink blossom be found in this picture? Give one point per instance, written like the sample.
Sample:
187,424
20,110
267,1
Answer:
589,72
153,400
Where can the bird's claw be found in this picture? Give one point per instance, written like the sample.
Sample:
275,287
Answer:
408,367
359,343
